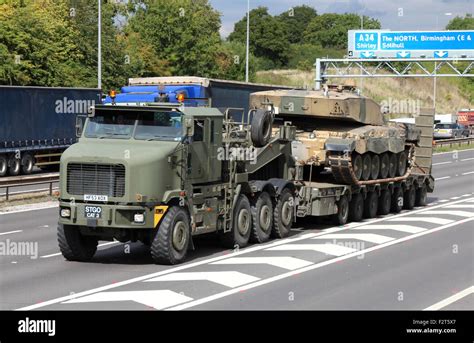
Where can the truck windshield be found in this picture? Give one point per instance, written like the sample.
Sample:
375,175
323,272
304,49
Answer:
162,125
111,125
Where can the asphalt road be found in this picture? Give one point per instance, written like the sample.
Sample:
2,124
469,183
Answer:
414,260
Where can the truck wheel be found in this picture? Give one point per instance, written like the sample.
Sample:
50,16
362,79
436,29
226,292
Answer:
392,166
421,196
27,163
3,165
401,163
397,200
261,127
73,245
262,218
242,225
170,244
13,166
371,205
385,202
357,165
342,215
356,208
375,167
384,165
366,166
409,198
283,214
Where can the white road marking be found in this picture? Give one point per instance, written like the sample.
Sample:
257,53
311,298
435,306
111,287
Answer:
158,299
58,253
435,164
328,249
42,207
460,206
434,220
285,262
468,173
368,237
455,198
451,152
51,255
403,228
9,232
226,278
451,299
442,178
454,213
467,159
444,200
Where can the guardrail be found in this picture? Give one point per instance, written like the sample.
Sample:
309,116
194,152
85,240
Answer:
31,180
454,141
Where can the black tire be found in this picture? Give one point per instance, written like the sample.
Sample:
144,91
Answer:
384,165
283,214
366,166
421,196
375,167
73,245
171,241
385,202
3,165
235,236
356,208
357,165
371,205
397,200
409,198
392,169
342,215
27,163
13,166
262,218
261,128
401,163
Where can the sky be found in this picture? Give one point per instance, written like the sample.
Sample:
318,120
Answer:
415,14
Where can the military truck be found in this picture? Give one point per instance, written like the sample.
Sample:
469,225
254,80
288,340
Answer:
162,173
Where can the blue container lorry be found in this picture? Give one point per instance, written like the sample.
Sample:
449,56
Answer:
38,123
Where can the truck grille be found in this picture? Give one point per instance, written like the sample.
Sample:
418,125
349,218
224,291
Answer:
98,179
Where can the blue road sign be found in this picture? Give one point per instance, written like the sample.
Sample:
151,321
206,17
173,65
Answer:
406,44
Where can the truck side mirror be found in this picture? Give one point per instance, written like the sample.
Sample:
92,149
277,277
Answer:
79,125
188,126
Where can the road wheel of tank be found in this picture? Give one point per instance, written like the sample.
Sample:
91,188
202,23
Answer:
384,165
371,205
262,218
375,167
27,164
242,225
356,208
392,169
3,165
283,214
13,166
357,165
421,196
73,245
397,200
171,241
261,127
342,215
366,166
385,202
401,163
409,198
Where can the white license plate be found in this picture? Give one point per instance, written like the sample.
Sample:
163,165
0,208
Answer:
93,212
91,197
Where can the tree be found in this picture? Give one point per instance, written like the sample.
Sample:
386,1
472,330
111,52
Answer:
461,23
296,20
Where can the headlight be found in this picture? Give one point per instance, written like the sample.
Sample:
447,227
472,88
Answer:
65,213
139,218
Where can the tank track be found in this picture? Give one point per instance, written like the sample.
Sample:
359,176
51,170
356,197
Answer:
343,172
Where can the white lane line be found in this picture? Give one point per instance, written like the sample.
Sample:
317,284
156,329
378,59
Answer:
454,213
468,173
51,255
284,262
455,198
402,228
226,278
47,207
328,249
451,152
312,267
460,206
9,232
467,159
158,299
433,220
451,299
436,164
58,253
217,258
442,178
367,237
444,200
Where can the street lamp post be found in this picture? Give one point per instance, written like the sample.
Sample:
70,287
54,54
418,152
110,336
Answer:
99,49
436,65
248,42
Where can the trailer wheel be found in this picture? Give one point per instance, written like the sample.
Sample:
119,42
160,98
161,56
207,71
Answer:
375,167
171,242
283,214
356,208
397,200
242,225
357,165
3,165
421,196
392,165
342,215
27,164
261,127
73,245
384,165
409,198
262,218
385,202
371,205
13,166
366,166
401,163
